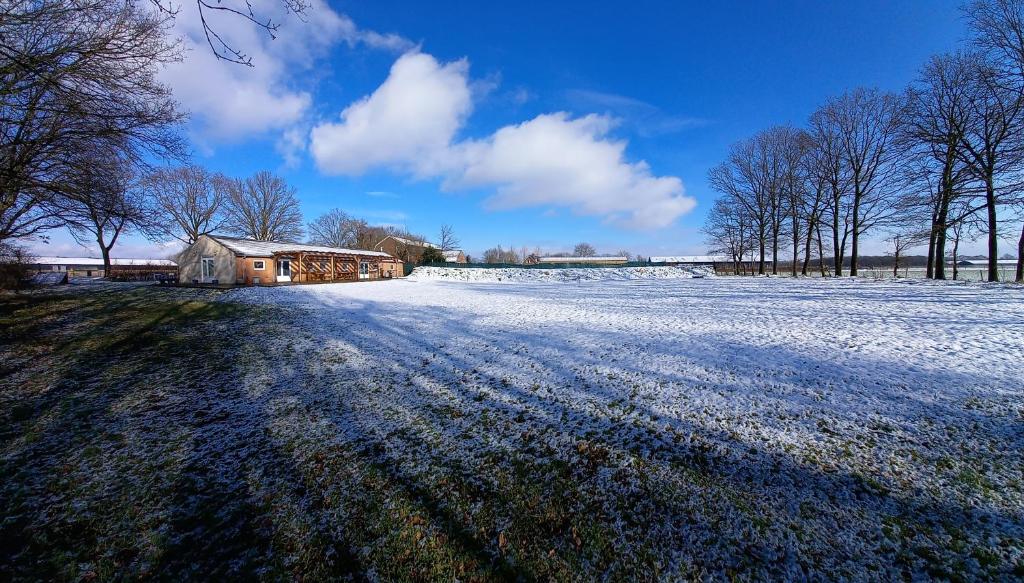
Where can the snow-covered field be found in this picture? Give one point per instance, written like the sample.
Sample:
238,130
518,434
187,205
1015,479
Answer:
765,428
516,274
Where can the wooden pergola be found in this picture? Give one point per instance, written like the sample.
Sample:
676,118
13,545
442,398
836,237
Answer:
328,266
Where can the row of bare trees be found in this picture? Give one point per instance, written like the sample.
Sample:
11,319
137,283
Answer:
939,163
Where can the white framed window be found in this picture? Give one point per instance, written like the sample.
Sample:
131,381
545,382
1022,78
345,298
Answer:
364,268
284,268
207,266
259,265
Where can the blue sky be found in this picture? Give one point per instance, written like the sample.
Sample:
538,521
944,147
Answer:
548,124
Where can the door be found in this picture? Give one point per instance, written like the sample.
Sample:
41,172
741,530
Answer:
284,270
207,269
364,270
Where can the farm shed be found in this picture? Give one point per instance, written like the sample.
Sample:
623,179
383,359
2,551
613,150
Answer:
93,267
228,260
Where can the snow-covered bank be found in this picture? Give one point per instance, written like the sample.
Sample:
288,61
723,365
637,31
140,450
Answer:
513,274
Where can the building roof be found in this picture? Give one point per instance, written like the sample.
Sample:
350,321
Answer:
984,262
691,259
580,259
406,241
98,261
250,247
452,255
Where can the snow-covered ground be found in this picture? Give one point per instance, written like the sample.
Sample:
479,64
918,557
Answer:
775,428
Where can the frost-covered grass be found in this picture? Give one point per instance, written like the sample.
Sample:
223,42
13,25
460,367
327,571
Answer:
677,428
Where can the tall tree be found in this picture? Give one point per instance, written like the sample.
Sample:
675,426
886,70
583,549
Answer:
76,75
188,201
104,205
867,123
584,250
938,114
447,240
751,178
263,207
728,231
831,169
992,145
336,229
999,29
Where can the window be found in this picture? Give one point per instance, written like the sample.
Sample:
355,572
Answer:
207,265
284,268
364,268
259,265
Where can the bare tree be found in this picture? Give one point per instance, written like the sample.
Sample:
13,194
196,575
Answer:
815,201
105,204
220,47
728,230
584,250
76,75
900,242
263,207
999,30
830,169
501,255
336,229
447,240
992,146
867,127
750,178
187,201
938,114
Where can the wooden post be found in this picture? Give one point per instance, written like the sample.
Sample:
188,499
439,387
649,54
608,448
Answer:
332,267
298,276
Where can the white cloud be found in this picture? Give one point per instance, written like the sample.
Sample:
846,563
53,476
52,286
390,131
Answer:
554,160
409,122
229,101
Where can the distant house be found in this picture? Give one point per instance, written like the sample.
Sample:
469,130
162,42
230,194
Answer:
403,248
584,260
93,267
411,250
229,260
455,256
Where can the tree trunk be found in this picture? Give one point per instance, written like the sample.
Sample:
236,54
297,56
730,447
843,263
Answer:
807,246
956,249
775,250
837,254
940,252
821,250
896,264
105,253
1020,257
760,264
930,270
854,245
993,234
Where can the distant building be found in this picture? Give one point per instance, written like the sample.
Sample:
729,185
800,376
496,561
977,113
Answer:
227,260
585,260
411,250
93,267
455,256
692,260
